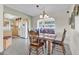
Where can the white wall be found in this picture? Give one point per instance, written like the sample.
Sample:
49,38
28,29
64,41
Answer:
1,28
74,35
74,38
77,23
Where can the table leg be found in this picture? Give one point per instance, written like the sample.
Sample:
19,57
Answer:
53,47
45,43
49,47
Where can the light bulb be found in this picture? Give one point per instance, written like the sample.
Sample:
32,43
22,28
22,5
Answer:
46,16
41,16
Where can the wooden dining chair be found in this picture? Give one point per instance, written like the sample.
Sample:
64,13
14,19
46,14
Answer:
35,43
60,43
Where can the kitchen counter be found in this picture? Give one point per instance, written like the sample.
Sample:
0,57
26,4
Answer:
7,39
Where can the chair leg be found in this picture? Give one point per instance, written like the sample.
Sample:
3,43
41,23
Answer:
45,43
43,50
53,46
63,49
29,51
37,51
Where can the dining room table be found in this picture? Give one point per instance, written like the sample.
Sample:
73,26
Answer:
49,44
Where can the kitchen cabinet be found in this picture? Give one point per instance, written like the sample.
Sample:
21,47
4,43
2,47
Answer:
7,34
7,39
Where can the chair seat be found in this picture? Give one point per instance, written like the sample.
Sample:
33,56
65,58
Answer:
57,42
37,45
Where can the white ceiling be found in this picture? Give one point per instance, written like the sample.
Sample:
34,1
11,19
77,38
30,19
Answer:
32,10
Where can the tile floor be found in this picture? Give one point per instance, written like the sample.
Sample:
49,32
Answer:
20,47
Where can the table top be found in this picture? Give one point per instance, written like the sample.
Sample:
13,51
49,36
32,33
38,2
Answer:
44,37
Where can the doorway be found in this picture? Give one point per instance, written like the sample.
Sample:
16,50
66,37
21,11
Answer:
15,34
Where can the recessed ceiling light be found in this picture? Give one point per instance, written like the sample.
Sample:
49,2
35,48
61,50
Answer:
37,6
67,11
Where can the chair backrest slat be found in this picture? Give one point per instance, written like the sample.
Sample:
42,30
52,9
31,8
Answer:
64,34
33,35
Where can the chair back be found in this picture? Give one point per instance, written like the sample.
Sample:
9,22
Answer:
33,36
64,34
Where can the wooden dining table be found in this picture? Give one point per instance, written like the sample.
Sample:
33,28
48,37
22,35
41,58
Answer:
49,40
50,45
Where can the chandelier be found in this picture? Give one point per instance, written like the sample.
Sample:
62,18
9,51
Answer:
44,14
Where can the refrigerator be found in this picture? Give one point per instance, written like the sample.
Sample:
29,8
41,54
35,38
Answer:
23,30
